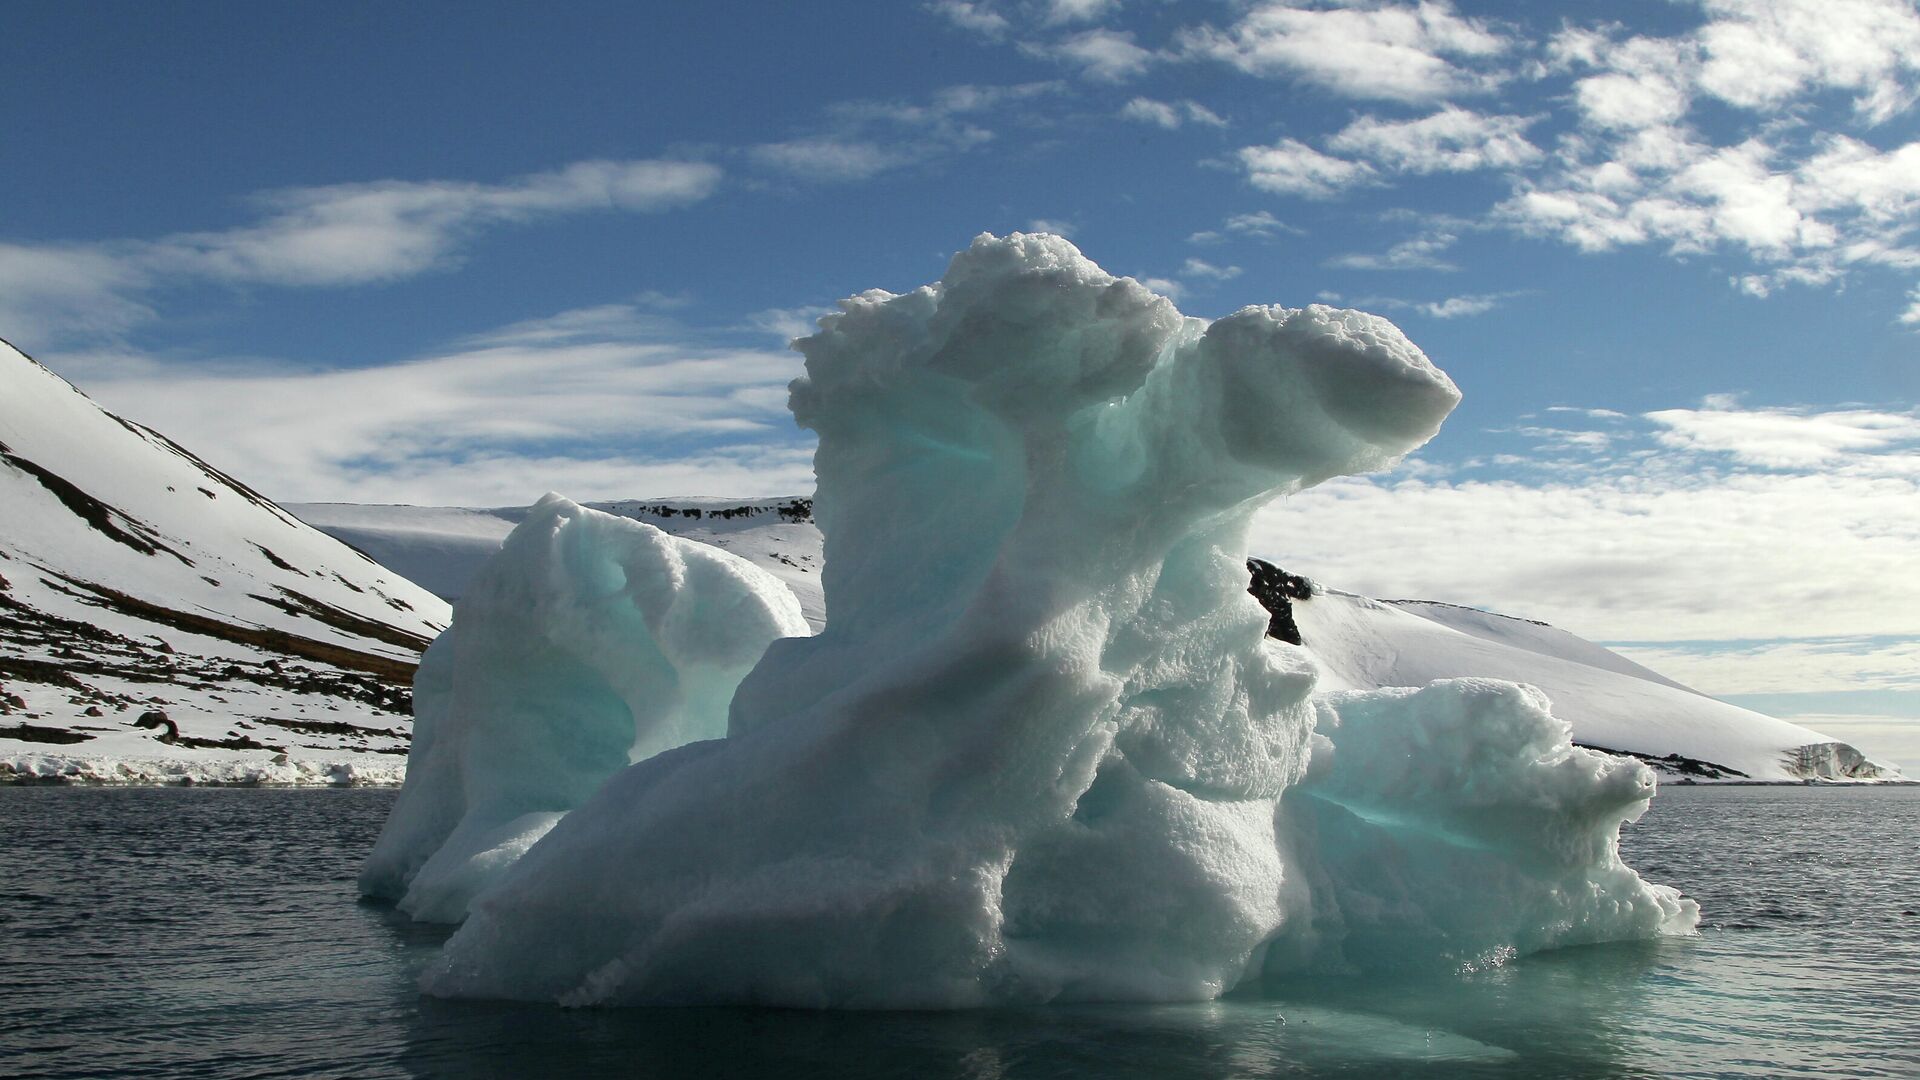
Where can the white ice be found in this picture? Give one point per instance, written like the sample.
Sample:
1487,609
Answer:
1042,749
589,642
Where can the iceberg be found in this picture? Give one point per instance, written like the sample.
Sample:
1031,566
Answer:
1043,749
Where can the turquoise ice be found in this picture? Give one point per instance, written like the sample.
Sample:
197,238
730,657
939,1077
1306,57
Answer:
1043,750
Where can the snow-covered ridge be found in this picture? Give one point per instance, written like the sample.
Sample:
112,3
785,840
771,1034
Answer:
161,621
442,547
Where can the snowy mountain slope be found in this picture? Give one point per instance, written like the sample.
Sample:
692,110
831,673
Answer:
1530,635
137,579
1363,643
1612,702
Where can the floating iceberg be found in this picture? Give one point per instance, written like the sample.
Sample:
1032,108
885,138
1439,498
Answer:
1043,749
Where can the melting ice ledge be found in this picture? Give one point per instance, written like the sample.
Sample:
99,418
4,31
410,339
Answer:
1043,750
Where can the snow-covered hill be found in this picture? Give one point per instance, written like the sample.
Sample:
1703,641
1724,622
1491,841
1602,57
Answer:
1612,702
161,620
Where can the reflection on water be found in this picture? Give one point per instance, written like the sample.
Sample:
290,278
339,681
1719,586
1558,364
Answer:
182,932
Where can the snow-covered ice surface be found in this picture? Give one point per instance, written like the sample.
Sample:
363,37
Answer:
1043,749
136,579
591,642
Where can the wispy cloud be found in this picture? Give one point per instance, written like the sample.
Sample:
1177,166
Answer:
342,234
1791,438
1100,55
1052,225
858,140
1170,115
1421,252
1452,307
822,157
788,323
980,18
602,402
1203,270
1259,224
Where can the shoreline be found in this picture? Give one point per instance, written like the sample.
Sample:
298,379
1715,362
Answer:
48,770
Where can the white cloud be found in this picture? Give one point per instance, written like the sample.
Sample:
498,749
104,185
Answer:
1049,225
50,293
1068,11
788,323
977,17
1149,111
1202,269
1451,140
1418,253
1458,307
601,402
1101,55
1748,203
1291,167
343,234
1807,205
1202,115
1260,223
353,233
828,159
1392,51
1785,438
1166,287
1641,82
1760,55
1849,174
1170,115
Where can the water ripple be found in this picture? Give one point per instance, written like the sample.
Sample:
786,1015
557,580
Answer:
199,932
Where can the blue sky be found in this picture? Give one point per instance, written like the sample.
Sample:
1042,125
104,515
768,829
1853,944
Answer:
465,253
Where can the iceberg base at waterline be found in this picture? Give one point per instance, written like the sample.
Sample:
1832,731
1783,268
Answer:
1043,749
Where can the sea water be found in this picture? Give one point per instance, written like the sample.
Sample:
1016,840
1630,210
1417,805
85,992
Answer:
204,932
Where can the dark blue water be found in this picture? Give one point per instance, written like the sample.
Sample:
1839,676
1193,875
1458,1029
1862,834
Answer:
197,932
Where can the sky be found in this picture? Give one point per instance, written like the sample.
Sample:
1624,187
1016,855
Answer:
468,253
